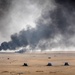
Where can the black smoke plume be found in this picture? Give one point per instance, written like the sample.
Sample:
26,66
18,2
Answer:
55,28
71,3
4,7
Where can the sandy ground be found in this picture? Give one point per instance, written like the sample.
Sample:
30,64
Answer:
11,64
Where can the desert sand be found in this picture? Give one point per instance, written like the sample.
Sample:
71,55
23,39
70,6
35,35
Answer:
12,63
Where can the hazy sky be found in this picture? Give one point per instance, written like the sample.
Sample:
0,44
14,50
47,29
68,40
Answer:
39,24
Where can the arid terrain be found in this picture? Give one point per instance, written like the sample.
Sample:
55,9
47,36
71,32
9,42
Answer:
12,63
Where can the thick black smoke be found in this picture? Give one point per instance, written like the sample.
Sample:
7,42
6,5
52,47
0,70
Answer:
17,40
55,28
64,18
4,7
71,3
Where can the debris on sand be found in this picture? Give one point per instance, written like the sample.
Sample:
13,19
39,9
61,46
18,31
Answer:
25,64
5,71
66,64
49,57
49,64
8,58
20,73
39,71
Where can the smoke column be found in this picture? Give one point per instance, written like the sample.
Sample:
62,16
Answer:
55,26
